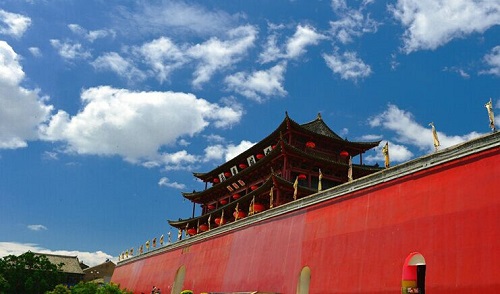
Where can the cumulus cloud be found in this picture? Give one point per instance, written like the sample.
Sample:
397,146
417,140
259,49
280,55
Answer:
430,24
178,17
304,36
136,125
13,24
163,56
259,84
70,51
112,61
226,152
294,47
492,60
410,132
215,55
165,182
89,258
91,36
397,153
37,227
35,51
347,65
18,102
351,23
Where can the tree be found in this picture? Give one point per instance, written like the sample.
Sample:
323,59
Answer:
60,289
84,288
28,273
89,288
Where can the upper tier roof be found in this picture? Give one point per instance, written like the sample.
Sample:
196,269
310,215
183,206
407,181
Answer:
261,166
316,129
319,126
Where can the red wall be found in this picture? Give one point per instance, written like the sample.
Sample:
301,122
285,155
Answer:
356,243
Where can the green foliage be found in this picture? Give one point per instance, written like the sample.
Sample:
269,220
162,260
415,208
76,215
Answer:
60,289
112,289
84,288
89,288
28,273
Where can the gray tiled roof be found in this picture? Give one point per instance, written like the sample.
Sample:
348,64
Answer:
71,263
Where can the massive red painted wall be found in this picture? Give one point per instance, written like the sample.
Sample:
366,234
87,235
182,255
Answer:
355,243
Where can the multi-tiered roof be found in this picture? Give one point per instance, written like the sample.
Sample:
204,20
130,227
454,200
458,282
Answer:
294,161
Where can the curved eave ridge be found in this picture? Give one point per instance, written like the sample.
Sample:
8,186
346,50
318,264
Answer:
272,181
221,187
271,139
314,128
181,224
319,127
325,160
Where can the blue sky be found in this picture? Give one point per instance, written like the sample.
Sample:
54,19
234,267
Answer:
107,107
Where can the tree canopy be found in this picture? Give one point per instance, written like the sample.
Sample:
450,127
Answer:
28,273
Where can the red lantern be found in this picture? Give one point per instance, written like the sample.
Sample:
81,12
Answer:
227,174
259,156
242,165
254,187
344,153
191,231
302,177
236,196
223,201
258,207
239,214
310,144
210,206
216,180
203,227
218,221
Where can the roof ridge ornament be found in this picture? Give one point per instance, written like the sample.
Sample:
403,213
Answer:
319,116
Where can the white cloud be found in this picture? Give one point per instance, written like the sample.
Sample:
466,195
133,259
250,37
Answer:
50,155
351,22
165,182
13,24
18,102
37,227
259,84
163,56
123,67
397,153
347,65
70,51
433,23
215,55
89,258
214,152
371,137
91,36
304,36
408,131
295,46
232,151
457,70
180,160
220,152
35,51
178,17
493,61
132,124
